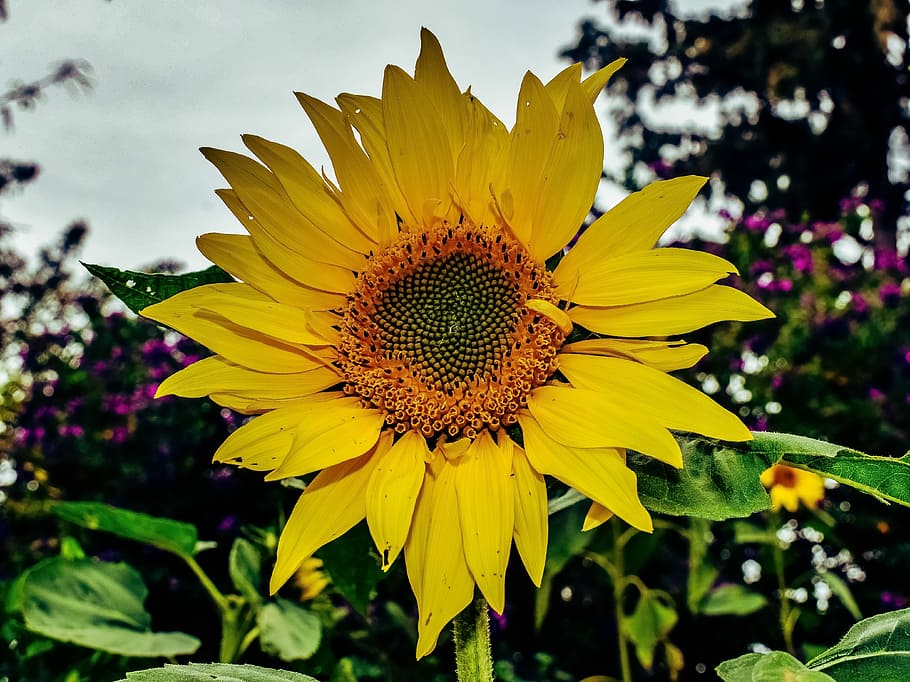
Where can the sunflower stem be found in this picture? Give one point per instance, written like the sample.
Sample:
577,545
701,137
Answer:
473,657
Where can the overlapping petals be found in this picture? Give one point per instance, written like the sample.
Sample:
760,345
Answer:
424,155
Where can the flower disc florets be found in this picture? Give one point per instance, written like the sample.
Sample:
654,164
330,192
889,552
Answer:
438,333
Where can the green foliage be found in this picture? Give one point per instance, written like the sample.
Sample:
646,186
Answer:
649,624
354,567
171,536
245,569
734,600
96,605
139,289
288,631
771,667
215,672
877,648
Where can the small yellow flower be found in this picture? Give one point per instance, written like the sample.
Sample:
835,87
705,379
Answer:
309,579
397,329
790,486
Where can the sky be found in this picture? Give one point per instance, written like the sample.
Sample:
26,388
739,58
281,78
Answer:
171,76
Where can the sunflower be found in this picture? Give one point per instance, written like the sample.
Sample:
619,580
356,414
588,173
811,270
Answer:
790,486
401,330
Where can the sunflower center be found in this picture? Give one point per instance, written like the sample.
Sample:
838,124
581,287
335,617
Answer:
438,333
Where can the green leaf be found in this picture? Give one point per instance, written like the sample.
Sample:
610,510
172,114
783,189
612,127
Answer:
172,536
648,625
245,568
718,481
288,631
721,480
745,533
96,605
842,591
731,600
772,667
887,478
139,289
353,567
877,648
215,672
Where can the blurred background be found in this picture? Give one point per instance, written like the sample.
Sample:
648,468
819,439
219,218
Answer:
796,109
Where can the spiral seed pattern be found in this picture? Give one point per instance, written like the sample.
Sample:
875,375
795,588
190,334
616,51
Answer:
438,333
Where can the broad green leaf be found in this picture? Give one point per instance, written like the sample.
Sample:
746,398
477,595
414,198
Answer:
731,600
648,625
884,477
288,631
139,289
353,567
215,672
773,667
96,605
172,536
245,568
718,481
877,648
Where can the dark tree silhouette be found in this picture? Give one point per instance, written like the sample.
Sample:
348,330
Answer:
812,98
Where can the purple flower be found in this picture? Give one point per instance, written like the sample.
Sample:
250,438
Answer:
888,259
890,294
876,395
860,304
800,256
756,223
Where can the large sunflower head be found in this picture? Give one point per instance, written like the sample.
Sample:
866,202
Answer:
399,328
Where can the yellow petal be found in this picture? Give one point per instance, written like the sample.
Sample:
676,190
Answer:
266,200
330,432
295,266
559,316
263,443
597,516
633,225
597,81
392,493
480,160
570,177
238,344
237,254
434,552
218,375
365,114
280,321
558,86
667,400
663,355
593,419
434,79
676,315
362,194
536,124
486,508
332,504
642,276
598,473
531,520
309,193
419,146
